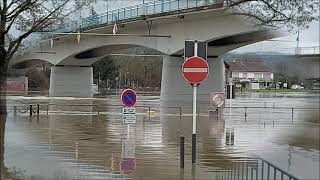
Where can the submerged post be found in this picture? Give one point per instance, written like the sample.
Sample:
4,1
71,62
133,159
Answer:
181,152
30,108
38,109
14,110
245,114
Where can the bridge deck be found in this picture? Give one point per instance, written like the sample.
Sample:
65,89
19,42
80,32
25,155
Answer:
140,12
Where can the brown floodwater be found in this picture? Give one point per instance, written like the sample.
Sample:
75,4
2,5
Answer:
84,138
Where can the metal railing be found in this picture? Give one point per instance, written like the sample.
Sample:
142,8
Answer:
307,50
136,11
254,168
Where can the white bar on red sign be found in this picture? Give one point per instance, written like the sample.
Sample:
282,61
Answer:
195,70
129,110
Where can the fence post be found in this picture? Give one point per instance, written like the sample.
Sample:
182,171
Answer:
262,169
180,111
245,114
14,110
193,153
30,108
47,109
149,112
38,109
181,152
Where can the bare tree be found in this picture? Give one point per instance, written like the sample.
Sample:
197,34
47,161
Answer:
21,18
18,20
290,14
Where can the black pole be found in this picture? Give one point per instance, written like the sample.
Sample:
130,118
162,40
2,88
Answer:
181,152
15,110
194,139
38,109
30,108
245,114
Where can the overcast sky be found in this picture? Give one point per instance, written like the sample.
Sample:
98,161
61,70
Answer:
308,38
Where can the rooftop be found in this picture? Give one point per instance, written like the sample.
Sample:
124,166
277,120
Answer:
248,66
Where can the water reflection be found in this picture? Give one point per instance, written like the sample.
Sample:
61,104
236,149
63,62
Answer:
90,141
128,161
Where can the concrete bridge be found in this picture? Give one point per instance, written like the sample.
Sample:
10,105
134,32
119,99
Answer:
163,26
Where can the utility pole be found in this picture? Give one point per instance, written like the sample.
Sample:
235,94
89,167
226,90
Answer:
298,39
99,80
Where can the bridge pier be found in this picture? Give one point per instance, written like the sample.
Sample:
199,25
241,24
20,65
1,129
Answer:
175,91
74,81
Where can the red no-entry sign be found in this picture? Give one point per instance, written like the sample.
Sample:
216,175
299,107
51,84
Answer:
195,70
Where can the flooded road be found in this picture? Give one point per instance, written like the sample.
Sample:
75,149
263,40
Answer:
84,138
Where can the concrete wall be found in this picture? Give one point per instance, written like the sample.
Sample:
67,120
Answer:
71,81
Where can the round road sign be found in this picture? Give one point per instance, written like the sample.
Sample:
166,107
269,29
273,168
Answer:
195,70
128,97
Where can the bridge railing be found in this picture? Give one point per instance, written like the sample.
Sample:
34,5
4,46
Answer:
136,11
307,50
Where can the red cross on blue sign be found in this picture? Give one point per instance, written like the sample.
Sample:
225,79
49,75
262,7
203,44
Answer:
128,97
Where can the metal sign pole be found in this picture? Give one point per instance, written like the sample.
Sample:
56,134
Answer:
194,112
128,131
230,95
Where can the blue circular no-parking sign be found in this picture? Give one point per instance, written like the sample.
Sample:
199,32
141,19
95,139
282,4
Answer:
128,97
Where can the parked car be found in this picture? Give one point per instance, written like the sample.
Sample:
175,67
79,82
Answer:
296,86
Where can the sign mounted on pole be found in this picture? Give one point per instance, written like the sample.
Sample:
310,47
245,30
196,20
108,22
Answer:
217,99
195,70
129,99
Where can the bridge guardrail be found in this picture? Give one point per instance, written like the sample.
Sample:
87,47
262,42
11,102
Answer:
136,11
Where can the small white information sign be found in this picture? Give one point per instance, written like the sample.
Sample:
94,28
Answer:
129,119
128,110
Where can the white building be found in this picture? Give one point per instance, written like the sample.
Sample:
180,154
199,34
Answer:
250,74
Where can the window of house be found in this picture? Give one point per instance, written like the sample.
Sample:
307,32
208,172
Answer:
257,76
235,74
266,76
